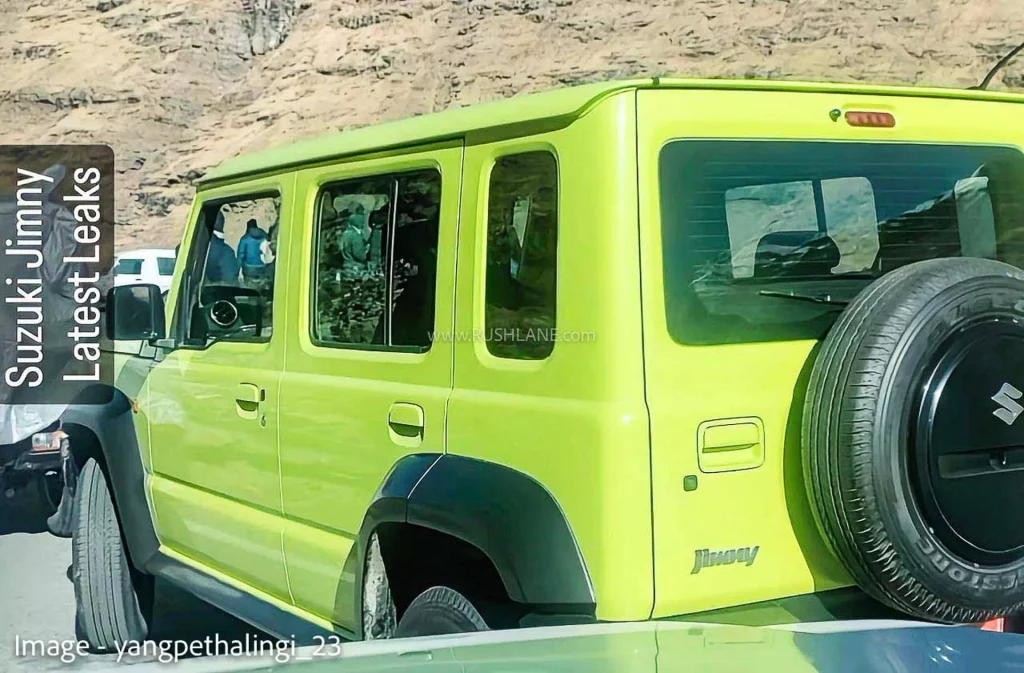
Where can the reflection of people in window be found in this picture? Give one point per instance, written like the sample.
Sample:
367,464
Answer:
413,316
378,222
249,257
355,243
221,264
268,248
537,265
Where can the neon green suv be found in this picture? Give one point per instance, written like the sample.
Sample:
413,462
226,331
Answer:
622,351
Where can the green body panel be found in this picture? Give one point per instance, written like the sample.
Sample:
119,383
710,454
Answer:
336,444
575,422
216,487
557,108
610,424
130,377
690,385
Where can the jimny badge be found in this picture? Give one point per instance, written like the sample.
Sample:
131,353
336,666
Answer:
705,558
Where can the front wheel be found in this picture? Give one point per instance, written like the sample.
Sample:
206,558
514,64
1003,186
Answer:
439,611
113,602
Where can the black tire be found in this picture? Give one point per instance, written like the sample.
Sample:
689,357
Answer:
866,462
439,611
113,602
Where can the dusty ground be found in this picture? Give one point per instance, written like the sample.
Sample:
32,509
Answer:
177,86
37,601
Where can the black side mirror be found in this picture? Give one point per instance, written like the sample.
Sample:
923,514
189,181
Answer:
135,313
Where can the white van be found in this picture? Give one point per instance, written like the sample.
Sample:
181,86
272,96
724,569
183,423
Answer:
150,265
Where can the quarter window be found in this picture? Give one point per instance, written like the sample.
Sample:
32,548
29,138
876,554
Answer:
522,246
376,262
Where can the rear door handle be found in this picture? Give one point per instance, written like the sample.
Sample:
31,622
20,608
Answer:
406,424
730,444
247,400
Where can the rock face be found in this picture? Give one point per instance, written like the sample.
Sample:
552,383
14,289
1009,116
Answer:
268,23
177,86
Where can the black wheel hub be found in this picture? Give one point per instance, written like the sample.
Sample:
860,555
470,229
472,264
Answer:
967,441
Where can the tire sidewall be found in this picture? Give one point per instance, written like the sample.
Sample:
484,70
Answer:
439,611
91,541
929,561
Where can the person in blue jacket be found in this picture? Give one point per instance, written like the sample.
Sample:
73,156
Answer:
249,246
221,264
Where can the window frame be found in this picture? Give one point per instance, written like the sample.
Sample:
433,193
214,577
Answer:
514,151
194,270
314,256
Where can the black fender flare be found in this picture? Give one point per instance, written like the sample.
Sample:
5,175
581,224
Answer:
505,513
107,413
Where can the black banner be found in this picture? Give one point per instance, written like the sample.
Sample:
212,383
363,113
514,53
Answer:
56,252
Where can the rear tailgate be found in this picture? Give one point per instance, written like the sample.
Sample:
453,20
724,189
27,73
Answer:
761,212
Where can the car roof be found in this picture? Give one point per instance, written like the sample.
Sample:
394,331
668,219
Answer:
140,253
550,109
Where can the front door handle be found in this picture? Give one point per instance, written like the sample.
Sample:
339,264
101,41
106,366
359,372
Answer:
406,424
247,400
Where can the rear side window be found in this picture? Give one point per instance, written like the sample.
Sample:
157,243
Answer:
768,240
128,266
376,262
522,247
165,266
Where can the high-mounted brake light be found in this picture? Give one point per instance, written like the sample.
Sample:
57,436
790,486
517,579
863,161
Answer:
882,120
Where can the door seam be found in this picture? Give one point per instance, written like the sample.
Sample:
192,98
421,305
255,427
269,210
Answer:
287,576
643,351
453,323
292,187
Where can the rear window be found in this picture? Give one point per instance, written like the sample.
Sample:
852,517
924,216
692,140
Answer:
165,266
767,240
127,266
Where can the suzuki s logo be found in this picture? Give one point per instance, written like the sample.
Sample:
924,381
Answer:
705,558
1009,409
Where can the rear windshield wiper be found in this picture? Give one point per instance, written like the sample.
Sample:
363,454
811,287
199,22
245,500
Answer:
814,298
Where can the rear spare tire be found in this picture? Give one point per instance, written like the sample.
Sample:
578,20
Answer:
913,451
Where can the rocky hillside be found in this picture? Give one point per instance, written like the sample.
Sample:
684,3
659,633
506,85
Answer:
176,86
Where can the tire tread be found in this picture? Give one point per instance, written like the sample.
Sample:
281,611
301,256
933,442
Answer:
108,612
838,432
